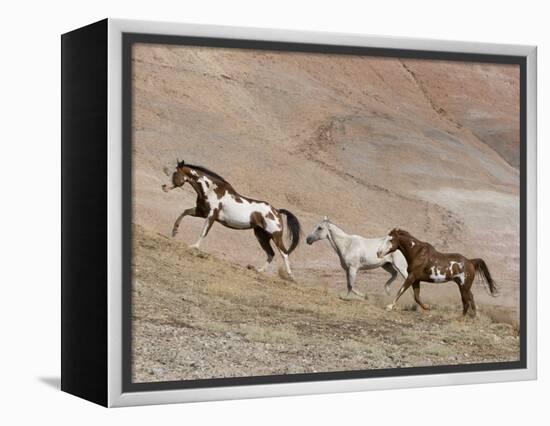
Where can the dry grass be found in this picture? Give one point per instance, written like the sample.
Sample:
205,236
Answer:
196,316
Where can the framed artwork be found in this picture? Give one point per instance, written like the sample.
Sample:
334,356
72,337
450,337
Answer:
251,212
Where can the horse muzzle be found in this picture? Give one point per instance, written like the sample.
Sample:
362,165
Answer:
309,240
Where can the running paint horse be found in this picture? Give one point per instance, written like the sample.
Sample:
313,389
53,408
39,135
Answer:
429,265
356,253
217,201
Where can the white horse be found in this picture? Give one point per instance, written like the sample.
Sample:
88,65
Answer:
356,253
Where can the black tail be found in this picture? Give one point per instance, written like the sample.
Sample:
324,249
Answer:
294,228
483,272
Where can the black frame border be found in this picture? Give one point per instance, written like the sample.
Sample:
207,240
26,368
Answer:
129,39
84,183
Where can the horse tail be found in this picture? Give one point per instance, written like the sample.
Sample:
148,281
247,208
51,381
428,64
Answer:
483,272
294,229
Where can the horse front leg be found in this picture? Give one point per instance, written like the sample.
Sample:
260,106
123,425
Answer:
408,282
188,212
206,227
416,290
351,274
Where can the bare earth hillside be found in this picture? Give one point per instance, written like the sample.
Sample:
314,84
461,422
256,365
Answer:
430,146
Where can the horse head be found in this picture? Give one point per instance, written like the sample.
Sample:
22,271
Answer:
178,177
320,231
390,243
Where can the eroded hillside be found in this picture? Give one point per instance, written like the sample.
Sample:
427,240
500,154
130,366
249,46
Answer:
371,142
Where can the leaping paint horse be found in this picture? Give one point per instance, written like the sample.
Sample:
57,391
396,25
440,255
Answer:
356,253
429,265
217,201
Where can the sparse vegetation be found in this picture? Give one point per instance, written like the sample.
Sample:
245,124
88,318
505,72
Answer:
197,316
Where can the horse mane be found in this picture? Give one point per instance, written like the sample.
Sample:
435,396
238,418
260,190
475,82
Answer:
407,234
204,170
402,232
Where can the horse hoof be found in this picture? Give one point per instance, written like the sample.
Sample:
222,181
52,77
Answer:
174,232
426,307
389,308
285,275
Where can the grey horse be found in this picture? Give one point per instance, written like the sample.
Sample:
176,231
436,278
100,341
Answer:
356,253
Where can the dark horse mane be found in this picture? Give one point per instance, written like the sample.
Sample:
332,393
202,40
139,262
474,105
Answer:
407,234
402,232
202,169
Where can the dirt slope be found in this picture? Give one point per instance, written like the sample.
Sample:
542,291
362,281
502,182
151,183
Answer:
196,316
371,142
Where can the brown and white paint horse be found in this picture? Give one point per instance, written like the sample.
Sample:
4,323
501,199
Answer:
217,201
425,263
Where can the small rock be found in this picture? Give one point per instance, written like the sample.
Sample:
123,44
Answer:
157,371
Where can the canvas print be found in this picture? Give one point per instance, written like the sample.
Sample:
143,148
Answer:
298,212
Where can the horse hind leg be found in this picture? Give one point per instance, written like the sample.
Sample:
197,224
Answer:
466,295
399,264
263,238
388,267
472,303
468,288
278,240
465,301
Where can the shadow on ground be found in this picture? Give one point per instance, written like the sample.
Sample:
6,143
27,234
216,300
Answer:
53,382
